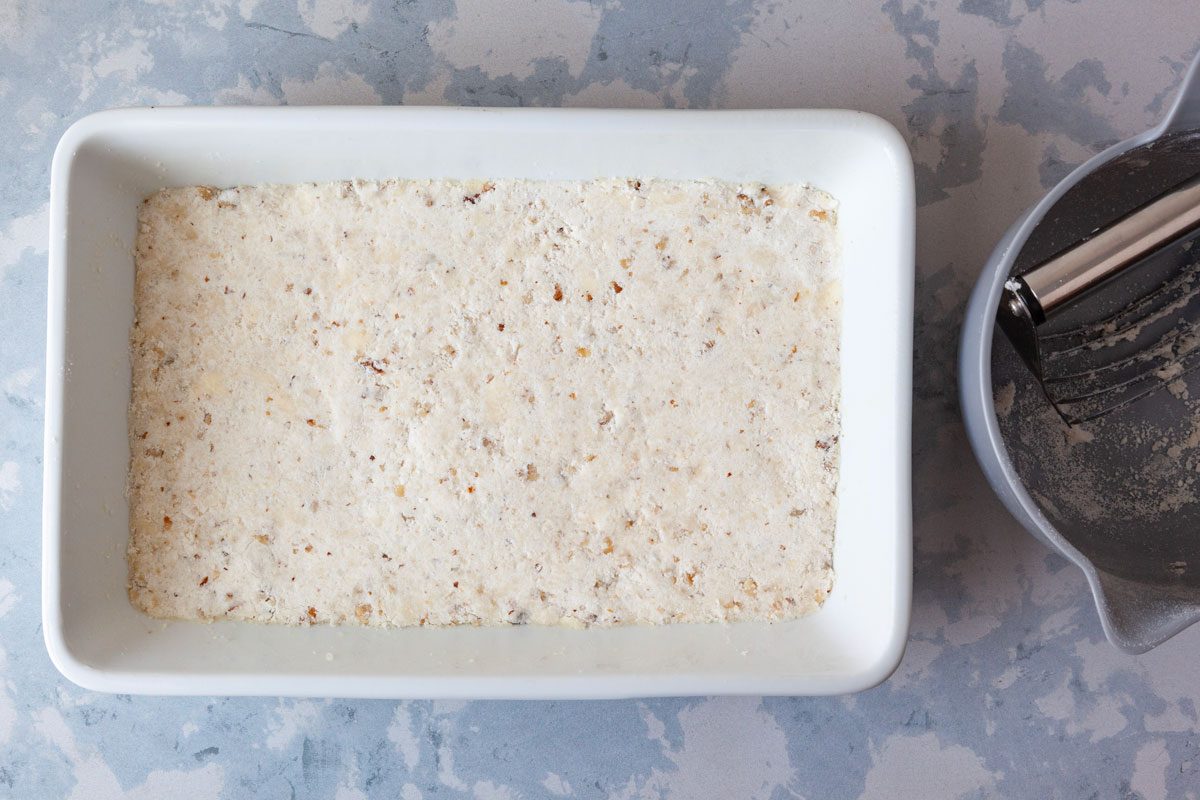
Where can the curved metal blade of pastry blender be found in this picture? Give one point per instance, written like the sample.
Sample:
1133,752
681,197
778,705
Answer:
1099,367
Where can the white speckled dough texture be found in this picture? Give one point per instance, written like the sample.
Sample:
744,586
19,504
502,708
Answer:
414,402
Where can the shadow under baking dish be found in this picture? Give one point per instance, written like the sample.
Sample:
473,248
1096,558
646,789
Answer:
106,163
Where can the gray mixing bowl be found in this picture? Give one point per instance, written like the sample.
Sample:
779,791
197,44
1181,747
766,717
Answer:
1119,497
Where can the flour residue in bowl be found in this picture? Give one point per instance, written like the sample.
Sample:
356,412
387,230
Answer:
1123,488
1076,461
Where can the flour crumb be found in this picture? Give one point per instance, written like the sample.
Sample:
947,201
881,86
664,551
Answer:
1004,399
1077,434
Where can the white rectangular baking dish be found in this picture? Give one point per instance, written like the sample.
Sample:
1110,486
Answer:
106,163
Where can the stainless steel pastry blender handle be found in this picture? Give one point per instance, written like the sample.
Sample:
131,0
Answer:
1032,298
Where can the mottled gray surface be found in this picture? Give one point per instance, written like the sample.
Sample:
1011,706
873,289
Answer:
1008,688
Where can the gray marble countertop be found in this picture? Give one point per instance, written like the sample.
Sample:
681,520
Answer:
1008,688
